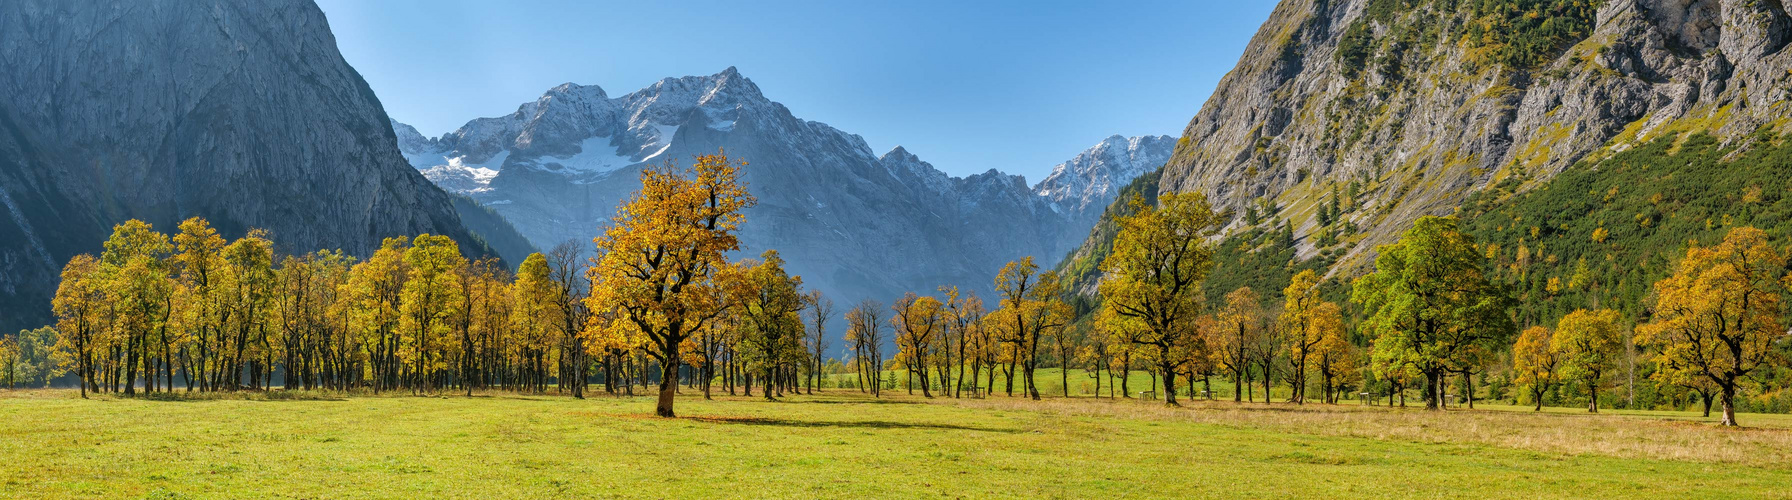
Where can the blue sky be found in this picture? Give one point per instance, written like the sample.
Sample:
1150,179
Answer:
967,86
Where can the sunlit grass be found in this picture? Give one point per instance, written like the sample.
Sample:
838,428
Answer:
844,445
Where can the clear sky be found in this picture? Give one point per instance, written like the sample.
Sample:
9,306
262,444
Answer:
967,86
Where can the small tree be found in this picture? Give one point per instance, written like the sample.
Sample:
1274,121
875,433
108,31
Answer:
1534,360
919,323
1310,321
864,334
1587,343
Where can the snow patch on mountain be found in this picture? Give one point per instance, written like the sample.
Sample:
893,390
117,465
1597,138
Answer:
595,156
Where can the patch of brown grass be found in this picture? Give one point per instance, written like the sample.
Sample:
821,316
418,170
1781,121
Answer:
1622,436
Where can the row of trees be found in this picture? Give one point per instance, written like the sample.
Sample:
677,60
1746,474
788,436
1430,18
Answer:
957,344
1711,324
1430,311
195,311
1153,318
659,301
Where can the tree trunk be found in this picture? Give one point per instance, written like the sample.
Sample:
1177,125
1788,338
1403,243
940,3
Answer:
1169,383
1729,403
1433,381
1593,393
1237,386
668,388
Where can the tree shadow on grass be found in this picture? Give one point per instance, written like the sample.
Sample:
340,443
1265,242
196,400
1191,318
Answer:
853,424
854,402
206,397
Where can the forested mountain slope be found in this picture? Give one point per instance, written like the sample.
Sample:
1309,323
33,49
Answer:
240,112
1347,120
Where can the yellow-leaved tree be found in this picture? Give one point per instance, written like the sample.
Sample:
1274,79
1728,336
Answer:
371,300
919,323
1587,344
771,301
535,318
80,306
655,279
1030,306
1154,273
1310,322
1718,316
432,297
1534,362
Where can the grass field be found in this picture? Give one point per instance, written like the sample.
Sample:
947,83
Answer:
844,445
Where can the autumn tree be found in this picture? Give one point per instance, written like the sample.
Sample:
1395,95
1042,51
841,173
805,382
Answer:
1238,328
1587,344
373,295
1030,306
864,334
772,302
1159,259
1535,363
1431,303
1718,316
964,321
1095,353
535,317
10,359
919,322
142,295
1337,362
1310,321
431,299
1065,341
657,263
80,304
567,269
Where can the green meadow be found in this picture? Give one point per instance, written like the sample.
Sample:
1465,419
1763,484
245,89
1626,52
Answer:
843,444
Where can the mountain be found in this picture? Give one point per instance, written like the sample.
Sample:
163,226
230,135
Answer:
240,112
1082,187
853,223
1347,120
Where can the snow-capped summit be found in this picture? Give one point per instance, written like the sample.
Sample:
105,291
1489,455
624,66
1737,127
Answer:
1091,180
579,132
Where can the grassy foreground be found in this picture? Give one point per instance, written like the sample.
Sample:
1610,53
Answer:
842,444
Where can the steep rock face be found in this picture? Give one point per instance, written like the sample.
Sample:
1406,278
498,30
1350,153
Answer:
240,112
1413,104
854,224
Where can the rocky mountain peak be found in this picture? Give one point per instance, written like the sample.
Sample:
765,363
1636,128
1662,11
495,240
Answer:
1089,181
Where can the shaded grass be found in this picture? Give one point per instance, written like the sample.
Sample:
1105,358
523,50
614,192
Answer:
841,444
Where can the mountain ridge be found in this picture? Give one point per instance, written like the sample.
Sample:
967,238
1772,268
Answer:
559,165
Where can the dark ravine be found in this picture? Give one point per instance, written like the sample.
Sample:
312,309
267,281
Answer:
1396,101
852,223
240,112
